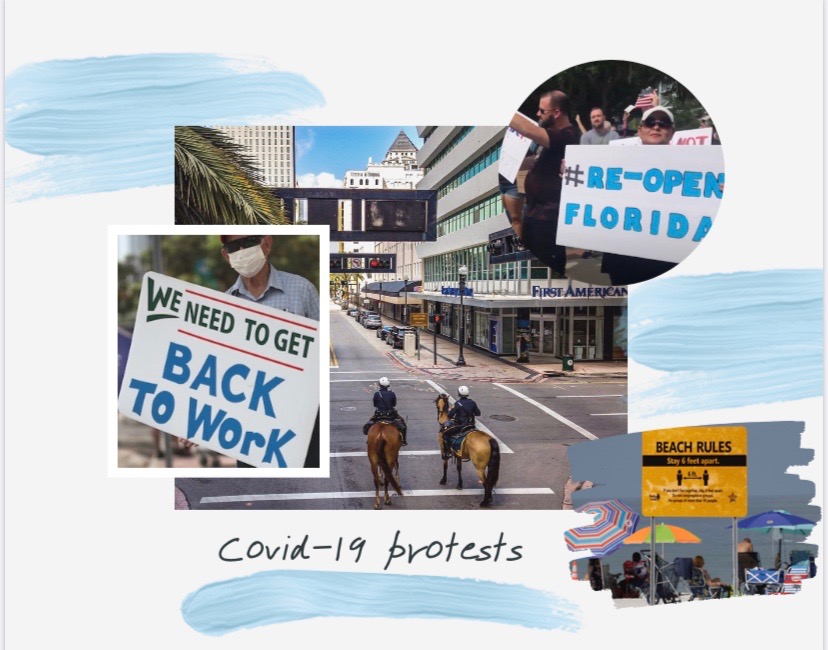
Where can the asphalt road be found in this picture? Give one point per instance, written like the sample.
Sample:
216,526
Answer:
534,422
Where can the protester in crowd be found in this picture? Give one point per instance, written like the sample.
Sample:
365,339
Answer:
657,127
601,132
543,183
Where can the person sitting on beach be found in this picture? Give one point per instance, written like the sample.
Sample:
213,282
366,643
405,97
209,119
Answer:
745,546
715,585
636,572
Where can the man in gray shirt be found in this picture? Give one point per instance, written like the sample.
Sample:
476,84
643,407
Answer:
599,134
262,283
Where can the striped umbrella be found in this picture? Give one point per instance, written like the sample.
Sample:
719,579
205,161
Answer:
614,520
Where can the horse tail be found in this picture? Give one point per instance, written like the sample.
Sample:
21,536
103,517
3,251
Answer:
383,463
493,472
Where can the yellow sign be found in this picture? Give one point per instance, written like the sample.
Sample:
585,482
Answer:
418,319
694,472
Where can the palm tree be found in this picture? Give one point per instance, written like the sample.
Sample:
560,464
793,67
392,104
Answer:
215,183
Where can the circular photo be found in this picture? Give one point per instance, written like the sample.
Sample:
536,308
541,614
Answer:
585,190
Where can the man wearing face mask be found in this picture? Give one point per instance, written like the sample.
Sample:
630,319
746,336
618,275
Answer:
260,282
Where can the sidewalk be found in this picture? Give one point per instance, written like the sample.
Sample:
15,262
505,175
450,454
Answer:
482,366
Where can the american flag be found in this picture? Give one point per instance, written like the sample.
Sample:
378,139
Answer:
645,99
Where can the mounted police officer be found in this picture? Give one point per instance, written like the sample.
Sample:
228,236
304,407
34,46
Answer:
461,415
385,405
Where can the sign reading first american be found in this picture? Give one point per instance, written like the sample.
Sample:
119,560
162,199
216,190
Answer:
229,374
694,472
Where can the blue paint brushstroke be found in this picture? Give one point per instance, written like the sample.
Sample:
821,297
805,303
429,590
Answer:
728,340
104,124
272,597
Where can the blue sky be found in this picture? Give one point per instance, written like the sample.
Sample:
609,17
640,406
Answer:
325,153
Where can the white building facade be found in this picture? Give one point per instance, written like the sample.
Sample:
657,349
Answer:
503,300
272,149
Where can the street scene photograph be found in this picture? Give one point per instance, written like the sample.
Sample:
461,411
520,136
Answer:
431,320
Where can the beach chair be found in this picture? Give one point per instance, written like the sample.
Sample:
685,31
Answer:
749,560
698,585
794,575
666,581
770,580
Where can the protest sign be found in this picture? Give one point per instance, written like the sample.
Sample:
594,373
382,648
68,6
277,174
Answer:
690,136
512,152
229,374
653,202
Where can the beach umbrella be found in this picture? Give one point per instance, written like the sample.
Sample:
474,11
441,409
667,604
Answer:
614,520
777,520
665,534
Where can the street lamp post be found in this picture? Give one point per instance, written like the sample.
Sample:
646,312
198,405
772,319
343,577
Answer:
405,309
463,270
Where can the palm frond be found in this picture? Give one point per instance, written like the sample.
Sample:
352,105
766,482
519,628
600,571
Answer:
215,183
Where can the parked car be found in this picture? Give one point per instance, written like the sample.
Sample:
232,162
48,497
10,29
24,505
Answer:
353,311
372,322
389,338
383,331
398,337
365,313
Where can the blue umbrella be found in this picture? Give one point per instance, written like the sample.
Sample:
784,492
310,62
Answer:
777,519
774,519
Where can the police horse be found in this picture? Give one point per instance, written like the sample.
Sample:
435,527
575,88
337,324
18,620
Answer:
478,447
384,441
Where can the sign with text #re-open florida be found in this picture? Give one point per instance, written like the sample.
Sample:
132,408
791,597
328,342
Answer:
652,201
226,373
694,472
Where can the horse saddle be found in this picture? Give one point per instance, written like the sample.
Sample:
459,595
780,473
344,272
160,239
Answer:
456,439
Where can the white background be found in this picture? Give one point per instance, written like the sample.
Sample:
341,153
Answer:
106,562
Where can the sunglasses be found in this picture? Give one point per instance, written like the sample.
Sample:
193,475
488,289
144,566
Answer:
244,242
651,122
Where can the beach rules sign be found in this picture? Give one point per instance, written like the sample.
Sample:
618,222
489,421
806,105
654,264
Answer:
694,472
656,202
229,374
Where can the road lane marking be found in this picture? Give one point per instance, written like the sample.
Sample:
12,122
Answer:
372,381
421,452
364,372
584,396
310,496
549,411
504,448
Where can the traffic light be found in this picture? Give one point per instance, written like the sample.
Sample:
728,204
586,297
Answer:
336,263
436,318
379,263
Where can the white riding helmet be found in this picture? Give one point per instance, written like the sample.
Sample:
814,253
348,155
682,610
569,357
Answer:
463,391
384,382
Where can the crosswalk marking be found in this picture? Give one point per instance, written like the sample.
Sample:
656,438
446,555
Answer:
309,496
549,411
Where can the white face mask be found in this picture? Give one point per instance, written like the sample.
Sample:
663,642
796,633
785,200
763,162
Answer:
248,262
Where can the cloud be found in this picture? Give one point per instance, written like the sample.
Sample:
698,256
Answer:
325,179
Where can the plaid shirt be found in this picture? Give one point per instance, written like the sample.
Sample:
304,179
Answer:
286,291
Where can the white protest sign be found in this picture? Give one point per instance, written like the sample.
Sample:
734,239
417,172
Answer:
690,136
693,136
655,202
226,373
512,152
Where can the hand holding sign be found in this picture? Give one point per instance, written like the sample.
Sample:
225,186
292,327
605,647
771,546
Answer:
234,376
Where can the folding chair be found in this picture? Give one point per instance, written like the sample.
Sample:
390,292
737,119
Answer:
769,579
749,560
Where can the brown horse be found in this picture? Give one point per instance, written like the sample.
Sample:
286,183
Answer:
479,447
384,441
